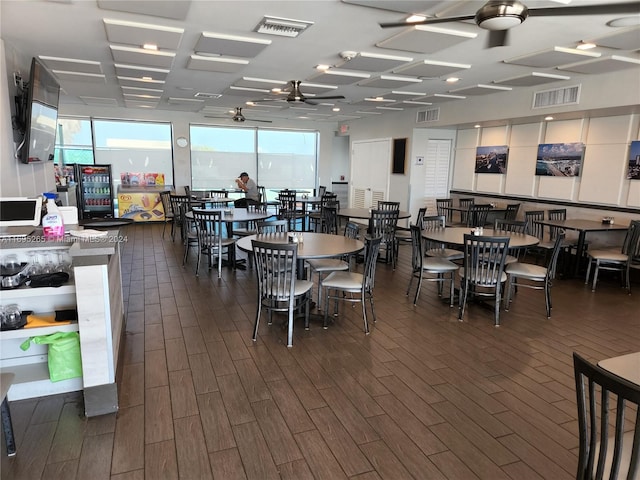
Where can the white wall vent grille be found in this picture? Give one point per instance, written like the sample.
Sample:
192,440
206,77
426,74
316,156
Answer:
557,96
431,115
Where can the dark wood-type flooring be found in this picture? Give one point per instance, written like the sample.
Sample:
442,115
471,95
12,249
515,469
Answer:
424,396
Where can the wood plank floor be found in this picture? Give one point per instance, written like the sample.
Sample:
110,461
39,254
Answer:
424,396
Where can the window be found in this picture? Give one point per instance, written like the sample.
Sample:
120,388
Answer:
140,147
273,158
74,143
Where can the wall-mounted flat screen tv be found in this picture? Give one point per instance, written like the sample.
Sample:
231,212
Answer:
37,115
559,159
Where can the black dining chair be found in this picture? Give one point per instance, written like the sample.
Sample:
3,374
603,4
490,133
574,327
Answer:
272,226
477,214
511,212
279,289
465,203
165,198
211,239
606,401
442,208
534,276
422,265
337,284
434,249
483,273
512,226
383,223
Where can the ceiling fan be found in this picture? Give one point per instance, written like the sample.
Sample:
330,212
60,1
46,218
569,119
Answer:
498,16
294,95
238,117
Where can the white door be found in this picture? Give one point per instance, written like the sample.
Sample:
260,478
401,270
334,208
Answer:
436,182
370,166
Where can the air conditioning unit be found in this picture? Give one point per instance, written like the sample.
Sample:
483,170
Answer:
431,115
557,96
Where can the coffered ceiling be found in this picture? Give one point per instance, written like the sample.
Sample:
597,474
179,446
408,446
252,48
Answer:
212,56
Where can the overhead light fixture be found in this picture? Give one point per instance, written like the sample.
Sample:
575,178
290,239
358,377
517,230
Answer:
477,126
501,15
150,46
625,21
283,27
452,80
586,46
335,109
322,67
415,18
548,118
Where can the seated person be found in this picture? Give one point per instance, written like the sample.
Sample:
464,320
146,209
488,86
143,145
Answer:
250,189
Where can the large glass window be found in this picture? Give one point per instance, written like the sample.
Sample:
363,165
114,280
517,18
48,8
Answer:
273,158
134,147
74,143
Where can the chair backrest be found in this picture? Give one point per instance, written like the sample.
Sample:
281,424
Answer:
633,249
557,214
287,199
329,220
372,249
272,226
417,248
383,223
421,213
478,215
386,205
180,204
187,190
512,211
601,454
441,208
321,190
209,226
532,218
465,203
276,270
555,253
165,198
484,258
432,221
352,230
515,226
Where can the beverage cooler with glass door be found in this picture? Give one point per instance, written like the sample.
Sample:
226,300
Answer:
94,191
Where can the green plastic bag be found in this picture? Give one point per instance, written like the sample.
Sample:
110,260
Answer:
64,354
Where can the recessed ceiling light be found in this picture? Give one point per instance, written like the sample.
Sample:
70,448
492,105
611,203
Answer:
335,109
476,126
150,46
586,46
276,90
323,67
548,118
415,18
625,21
452,80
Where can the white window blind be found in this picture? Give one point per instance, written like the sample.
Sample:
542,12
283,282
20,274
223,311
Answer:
436,182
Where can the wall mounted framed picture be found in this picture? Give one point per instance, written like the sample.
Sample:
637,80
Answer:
634,161
559,159
492,159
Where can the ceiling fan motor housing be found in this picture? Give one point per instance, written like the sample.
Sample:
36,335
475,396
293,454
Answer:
501,14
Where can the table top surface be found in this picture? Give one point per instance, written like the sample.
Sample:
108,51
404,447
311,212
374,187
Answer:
205,200
309,199
314,245
238,215
584,225
365,213
455,236
624,366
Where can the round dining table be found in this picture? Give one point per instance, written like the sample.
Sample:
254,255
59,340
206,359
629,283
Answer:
314,245
455,236
233,215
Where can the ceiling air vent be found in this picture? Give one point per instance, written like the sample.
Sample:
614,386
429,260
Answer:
206,96
557,96
432,115
283,27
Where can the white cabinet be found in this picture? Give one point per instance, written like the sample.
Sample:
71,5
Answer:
96,293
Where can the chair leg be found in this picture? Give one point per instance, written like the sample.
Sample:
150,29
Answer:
547,297
290,325
451,289
198,261
255,327
586,278
463,299
364,315
497,307
325,324
7,428
595,276
373,310
415,299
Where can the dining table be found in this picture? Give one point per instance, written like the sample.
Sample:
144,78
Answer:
583,226
455,236
624,366
497,211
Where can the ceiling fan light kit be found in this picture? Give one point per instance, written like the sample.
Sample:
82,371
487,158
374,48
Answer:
501,15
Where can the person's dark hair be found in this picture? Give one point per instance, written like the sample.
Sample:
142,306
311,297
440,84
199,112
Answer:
243,174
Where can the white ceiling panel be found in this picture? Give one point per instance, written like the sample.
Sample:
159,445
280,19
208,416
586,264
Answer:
479,89
230,45
140,56
426,39
99,101
79,77
552,57
440,98
374,62
138,82
628,39
139,72
262,83
338,77
71,64
216,64
389,81
139,34
431,68
531,79
610,63
157,8
399,95
134,89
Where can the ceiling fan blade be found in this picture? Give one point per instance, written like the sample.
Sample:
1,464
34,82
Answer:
428,21
332,97
497,38
601,9
256,120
